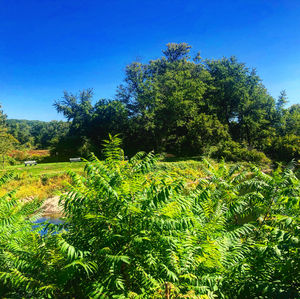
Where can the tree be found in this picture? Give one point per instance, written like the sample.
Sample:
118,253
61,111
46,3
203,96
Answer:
282,100
164,95
2,117
7,144
22,131
205,131
108,117
89,124
174,103
291,120
240,100
7,141
175,52
35,133
77,109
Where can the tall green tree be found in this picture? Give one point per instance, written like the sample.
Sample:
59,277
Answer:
77,109
7,141
89,124
7,144
35,133
291,120
163,95
240,100
2,117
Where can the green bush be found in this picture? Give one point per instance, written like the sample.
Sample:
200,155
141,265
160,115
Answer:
10,160
284,148
25,267
233,151
132,231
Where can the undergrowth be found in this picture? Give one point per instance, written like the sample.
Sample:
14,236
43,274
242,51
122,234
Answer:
138,230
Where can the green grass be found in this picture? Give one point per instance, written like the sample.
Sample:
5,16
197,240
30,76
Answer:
40,181
49,169
48,179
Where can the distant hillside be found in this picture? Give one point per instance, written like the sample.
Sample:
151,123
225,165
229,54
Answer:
36,133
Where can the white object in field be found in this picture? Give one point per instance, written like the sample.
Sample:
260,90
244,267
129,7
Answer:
75,159
30,163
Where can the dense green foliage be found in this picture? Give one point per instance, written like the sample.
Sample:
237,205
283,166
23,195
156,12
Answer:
177,104
35,133
134,230
89,124
7,141
186,107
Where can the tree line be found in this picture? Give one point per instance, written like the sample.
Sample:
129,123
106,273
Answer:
35,133
186,106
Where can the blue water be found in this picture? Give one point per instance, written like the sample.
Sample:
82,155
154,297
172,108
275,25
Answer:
45,224
50,220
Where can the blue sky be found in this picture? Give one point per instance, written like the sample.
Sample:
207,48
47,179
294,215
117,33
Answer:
47,46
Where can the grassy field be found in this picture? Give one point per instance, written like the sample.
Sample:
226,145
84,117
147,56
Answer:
189,168
50,179
42,180
45,168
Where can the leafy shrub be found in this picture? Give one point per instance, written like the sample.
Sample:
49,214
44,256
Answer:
21,249
233,151
134,231
284,148
272,267
145,235
10,160
19,155
22,155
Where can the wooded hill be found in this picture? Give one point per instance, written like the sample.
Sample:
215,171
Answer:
36,133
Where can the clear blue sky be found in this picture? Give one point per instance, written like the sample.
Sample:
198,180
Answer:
47,46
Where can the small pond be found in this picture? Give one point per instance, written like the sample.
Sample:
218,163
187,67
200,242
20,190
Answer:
43,221
50,219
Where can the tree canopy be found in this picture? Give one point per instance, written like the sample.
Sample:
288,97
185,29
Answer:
185,106
179,104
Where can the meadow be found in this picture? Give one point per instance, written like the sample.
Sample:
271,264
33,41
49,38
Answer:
40,181
46,180
45,168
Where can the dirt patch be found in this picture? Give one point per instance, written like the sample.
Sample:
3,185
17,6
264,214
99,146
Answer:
51,207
